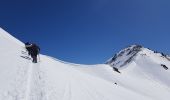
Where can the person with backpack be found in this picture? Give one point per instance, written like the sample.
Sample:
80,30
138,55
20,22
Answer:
33,50
28,47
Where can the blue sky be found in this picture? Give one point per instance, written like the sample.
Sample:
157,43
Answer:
88,31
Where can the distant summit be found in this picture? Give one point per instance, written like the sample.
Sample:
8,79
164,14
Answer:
124,56
129,54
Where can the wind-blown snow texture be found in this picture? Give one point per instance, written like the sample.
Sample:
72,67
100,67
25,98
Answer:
142,76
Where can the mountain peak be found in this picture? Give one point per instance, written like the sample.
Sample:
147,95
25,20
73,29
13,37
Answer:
125,56
128,54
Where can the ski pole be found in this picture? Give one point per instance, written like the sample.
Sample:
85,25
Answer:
39,57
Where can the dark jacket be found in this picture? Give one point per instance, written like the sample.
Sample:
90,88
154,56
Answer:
32,49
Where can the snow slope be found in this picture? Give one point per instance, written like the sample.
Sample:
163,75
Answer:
141,78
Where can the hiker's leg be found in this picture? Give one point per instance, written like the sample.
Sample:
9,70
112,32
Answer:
33,58
36,58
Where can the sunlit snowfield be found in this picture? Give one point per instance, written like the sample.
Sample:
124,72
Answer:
146,76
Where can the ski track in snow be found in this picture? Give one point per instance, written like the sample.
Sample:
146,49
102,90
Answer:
36,85
29,74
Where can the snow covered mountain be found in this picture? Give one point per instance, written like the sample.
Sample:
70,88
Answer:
124,56
144,75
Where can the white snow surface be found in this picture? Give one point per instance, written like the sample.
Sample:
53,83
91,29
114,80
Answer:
51,79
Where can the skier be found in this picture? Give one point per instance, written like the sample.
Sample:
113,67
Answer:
33,50
28,47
